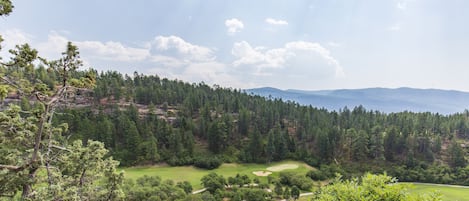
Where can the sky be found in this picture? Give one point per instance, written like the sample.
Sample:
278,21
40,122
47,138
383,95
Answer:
287,44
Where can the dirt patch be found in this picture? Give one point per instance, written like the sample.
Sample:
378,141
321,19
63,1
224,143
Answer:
282,167
262,173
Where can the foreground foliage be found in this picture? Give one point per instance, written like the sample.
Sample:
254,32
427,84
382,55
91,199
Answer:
370,187
37,161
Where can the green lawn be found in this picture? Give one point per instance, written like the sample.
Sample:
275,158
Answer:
449,192
193,175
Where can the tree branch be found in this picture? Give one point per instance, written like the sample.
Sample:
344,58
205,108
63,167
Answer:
9,64
6,195
11,83
10,167
61,148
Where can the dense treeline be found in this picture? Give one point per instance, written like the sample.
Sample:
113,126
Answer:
145,119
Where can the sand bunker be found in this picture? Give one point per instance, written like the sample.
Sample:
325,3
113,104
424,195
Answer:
282,167
262,173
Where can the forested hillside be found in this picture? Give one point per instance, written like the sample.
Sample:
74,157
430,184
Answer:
145,119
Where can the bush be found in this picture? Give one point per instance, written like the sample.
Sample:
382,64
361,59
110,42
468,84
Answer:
329,171
370,187
316,175
292,179
186,186
312,161
180,161
207,162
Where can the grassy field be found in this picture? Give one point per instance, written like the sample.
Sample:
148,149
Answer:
193,175
449,192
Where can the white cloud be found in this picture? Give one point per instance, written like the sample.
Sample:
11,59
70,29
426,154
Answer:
246,54
169,56
272,21
260,57
211,72
176,46
234,25
179,59
302,58
53,47
170,49
14,37
11,38
295,62
112,51
167,61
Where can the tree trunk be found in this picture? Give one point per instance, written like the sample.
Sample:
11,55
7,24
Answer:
27,188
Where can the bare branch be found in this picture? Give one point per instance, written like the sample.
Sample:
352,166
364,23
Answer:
39,97
10,167
61,148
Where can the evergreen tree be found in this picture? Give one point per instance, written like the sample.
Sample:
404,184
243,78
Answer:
270,148
217,136
360,146
29,141
390,141
456,155
377,143
295,192
243,122
278,189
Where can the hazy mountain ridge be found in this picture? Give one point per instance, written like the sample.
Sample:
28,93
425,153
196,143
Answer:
381,99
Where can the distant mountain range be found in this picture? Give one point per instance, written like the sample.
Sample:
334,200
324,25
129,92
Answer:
381,99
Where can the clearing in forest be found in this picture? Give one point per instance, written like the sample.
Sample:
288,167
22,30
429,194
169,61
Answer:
282,167
193,175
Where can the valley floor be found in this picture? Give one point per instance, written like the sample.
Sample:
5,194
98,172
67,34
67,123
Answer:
193,175
449,192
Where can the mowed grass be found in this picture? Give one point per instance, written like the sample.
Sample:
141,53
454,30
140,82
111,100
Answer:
449,192
193,175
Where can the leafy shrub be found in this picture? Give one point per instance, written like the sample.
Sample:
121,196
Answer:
292,179
316,175
180,161
207,162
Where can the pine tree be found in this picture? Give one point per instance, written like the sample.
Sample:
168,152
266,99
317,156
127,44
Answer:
30,141
456,155
295,192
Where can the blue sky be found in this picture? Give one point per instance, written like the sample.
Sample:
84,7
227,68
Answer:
244,44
